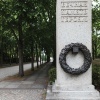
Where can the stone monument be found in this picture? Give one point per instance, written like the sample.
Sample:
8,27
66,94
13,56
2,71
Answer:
74,47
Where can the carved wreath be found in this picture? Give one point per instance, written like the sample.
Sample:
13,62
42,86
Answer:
87,59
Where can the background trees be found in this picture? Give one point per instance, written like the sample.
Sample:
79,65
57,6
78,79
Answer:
27,29
96,29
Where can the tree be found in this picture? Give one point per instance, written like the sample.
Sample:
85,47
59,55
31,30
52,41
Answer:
96,29
31,25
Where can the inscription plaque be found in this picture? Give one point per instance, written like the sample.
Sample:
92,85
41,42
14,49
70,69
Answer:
74,11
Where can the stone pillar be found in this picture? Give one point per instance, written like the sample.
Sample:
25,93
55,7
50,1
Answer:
74,47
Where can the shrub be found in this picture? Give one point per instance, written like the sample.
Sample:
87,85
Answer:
96,75
52,75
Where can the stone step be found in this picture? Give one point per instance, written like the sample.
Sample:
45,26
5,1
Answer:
51,96
73,98
72,88
76,94
72,95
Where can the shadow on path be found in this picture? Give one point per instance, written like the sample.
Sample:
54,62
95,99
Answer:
32,88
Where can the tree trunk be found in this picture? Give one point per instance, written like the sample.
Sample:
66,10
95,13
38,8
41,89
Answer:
20,52
95,50
1,52
40,58
40,54
37,56
10,56
48,57
93,54
1,45
32,57
20,47
1,57
16,55
95,45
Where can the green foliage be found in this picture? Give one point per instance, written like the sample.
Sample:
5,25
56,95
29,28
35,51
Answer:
52,75
27,22
96,29
96,75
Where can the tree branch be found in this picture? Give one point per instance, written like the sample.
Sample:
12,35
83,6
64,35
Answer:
14,34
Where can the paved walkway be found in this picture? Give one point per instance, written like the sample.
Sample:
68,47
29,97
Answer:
32,88
9,71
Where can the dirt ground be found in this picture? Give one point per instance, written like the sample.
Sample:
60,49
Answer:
16,77
96,62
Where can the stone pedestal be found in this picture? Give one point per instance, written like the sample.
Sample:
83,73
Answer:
56,92
73,26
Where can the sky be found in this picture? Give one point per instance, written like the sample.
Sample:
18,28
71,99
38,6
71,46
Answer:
94,3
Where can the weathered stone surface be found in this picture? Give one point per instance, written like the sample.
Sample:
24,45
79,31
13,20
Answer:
72,31
73,25
87,59
85,93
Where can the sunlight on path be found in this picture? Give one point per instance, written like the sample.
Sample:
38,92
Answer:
9,71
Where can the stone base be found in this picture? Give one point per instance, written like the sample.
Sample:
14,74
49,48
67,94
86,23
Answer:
70,93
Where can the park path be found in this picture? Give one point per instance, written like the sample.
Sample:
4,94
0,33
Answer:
31,88
10,71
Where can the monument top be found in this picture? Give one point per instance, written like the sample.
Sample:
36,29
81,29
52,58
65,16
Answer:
73,10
